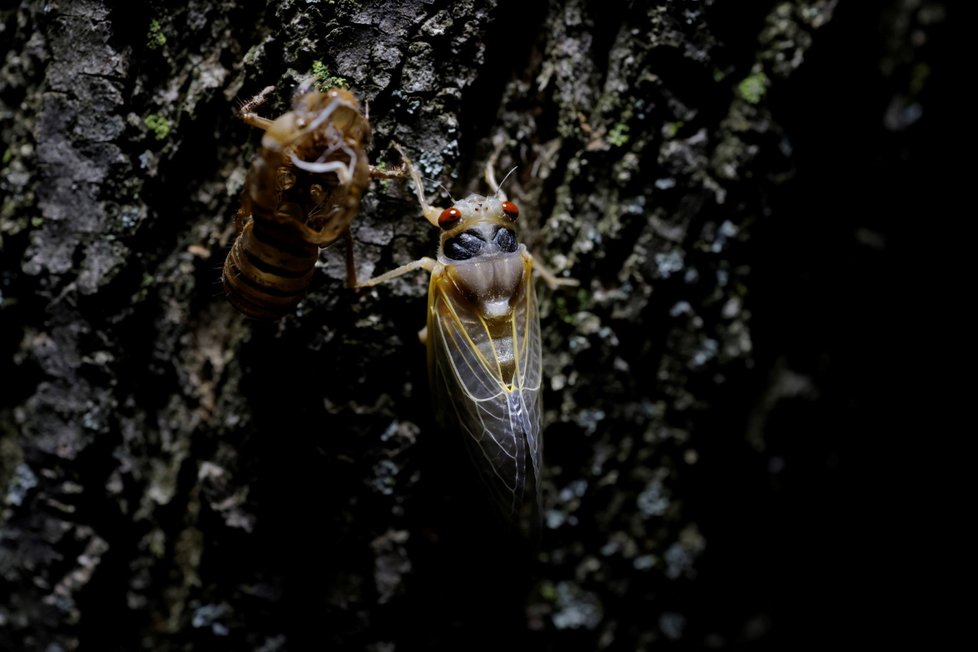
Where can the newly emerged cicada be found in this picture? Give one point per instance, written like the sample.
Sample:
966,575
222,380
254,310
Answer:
483,340
302,191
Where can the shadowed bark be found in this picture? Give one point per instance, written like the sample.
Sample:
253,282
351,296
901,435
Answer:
176,477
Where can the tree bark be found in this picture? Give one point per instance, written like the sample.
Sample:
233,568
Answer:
177,477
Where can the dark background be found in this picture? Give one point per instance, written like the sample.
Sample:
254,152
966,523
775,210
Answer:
850,531
179,478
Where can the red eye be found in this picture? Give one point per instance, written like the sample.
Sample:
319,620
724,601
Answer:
512,210
449,218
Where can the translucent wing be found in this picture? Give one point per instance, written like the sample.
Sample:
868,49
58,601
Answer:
486,375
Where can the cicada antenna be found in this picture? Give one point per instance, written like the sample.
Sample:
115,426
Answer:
499,188
442,186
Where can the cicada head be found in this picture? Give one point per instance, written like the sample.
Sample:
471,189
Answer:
343,111
477,226
316,118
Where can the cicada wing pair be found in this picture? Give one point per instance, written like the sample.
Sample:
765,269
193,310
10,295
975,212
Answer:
486,379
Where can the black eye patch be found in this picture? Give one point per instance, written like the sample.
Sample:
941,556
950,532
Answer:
505,239
464,246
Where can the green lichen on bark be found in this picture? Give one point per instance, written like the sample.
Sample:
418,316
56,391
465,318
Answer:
158,126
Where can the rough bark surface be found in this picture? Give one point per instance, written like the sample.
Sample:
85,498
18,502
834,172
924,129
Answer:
176,477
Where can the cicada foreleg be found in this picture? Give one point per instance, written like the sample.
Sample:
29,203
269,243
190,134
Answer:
247,110
400,172
430,212
427,264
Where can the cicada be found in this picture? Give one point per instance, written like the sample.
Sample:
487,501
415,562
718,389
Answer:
302,191
483,341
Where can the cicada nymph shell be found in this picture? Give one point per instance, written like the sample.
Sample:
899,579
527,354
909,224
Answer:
302,191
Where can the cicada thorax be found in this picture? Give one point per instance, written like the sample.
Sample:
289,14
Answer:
302,191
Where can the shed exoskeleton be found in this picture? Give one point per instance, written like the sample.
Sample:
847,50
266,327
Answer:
302,191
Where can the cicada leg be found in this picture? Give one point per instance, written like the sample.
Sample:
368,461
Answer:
430,212
247,110
427,264
399,172
490,172
552,280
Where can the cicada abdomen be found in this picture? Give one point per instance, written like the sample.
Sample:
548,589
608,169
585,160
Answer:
301,193
483,339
